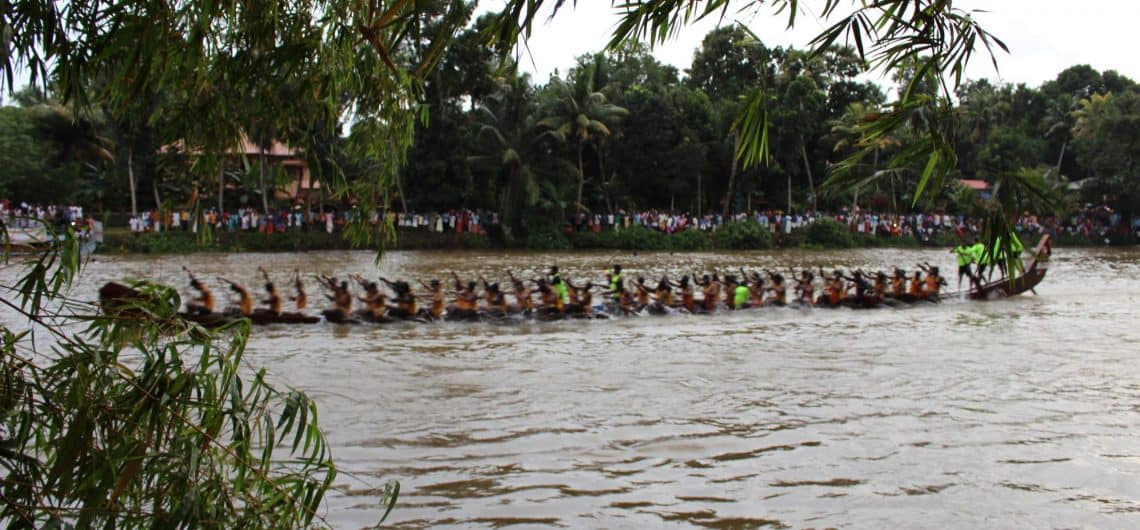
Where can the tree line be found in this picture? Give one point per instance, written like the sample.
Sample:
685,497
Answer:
617,130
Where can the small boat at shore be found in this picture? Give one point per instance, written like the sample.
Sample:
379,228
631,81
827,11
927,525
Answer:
35,239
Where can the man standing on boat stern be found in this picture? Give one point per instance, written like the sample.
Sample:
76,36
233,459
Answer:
965,257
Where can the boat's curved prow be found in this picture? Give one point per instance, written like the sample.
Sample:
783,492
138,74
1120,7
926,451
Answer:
1035,269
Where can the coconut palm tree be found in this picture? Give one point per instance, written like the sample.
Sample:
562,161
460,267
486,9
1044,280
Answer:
1058,123
504,127
580,114
848,131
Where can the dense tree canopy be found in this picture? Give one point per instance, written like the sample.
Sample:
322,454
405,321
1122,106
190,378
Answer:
630,132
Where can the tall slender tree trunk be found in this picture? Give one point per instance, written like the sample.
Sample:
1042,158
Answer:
789,193
807,169
894,198
581,178
699,196
308,202
296,195
221,187
400,190
874,169
731,174
162,218
261,181
132,182
507,211
605,182
1061,158
399,182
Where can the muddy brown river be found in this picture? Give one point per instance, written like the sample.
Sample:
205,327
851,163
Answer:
1020,413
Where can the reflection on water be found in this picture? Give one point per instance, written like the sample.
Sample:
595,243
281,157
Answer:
1015,413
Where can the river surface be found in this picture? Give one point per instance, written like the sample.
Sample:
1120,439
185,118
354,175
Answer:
1019,413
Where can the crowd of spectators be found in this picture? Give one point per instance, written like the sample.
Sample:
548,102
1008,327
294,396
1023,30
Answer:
25,215
922,226
1094,222
297,219
1091,222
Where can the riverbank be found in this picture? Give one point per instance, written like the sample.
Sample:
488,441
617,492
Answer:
743,235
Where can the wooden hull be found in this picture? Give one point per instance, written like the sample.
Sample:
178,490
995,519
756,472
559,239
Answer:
259,318
1034,272
1003,288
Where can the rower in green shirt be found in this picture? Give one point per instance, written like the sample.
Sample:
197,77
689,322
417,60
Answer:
1015,246
740,292
559,286
981,257
965,257
615,283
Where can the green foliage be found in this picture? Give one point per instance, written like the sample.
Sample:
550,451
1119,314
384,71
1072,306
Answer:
828,233
577,113
418,240
742,235
640,238
20,155
126,416
947,239
161,243
730,63
690,240
1107,142
47,155
864,240
590,240
547,238
644,239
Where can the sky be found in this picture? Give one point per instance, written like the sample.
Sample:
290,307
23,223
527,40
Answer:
1044,36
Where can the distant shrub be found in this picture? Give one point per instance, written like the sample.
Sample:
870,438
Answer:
742,235
828,233
873,241
160,243
640,238
946,238
586,240
419,240
690,240
547,238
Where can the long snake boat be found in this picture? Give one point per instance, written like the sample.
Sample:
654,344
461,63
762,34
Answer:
118,298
